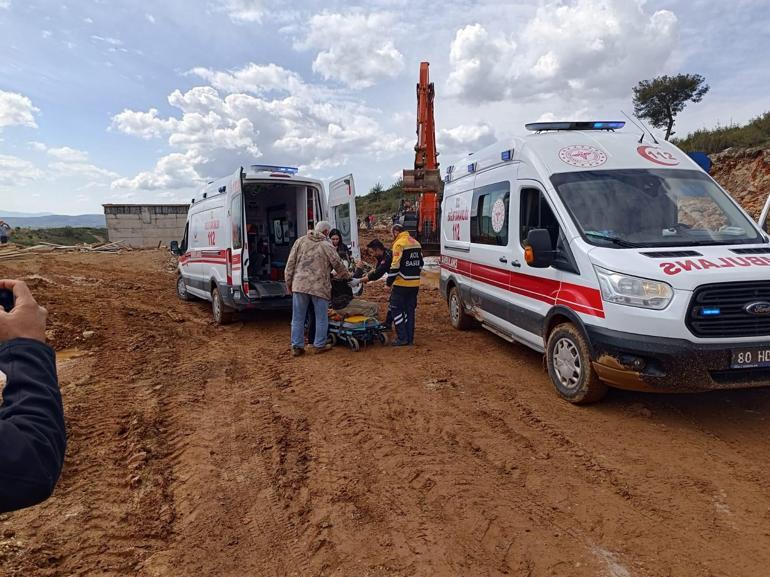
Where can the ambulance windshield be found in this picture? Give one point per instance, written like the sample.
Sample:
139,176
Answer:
647,208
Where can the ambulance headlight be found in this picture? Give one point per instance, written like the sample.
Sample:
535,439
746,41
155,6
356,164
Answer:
623,289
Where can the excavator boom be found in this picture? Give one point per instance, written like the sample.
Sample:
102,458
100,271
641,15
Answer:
425,178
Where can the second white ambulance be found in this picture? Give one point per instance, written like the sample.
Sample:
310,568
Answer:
613,254
241,228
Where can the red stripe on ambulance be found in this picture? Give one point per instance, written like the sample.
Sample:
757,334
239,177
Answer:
579,298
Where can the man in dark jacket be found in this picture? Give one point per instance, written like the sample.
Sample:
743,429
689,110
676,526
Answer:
384,257
32,432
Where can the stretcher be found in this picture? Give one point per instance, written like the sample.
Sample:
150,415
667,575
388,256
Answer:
357,332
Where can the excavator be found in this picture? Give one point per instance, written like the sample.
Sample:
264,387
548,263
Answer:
419,211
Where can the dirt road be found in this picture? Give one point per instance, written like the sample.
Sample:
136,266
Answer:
196,450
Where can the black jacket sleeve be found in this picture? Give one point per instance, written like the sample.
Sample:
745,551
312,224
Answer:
383,265
32,431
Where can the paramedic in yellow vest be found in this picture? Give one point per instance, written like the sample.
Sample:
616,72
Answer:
404,280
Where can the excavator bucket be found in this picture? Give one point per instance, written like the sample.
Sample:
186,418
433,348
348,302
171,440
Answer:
421,179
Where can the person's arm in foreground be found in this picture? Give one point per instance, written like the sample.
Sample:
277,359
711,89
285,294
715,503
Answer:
32,431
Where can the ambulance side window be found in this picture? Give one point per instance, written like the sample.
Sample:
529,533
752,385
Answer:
489,214
183,244
535,213
236,215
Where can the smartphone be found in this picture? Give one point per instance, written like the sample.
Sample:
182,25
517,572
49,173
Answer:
6,299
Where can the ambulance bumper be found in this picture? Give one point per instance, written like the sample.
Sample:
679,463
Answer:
234,298
645,363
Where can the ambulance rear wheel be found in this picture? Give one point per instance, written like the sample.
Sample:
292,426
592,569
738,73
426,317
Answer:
222,314
181,289
457,315
569,365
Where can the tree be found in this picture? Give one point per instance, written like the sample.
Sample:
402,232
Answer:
659,100
376,191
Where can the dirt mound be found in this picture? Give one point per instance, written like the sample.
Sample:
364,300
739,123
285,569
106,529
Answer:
204,450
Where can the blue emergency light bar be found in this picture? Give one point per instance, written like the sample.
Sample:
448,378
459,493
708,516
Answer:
271,168
590,125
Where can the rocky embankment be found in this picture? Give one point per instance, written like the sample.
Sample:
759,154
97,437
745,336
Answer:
745,173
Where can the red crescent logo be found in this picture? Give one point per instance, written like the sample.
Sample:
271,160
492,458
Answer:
656,155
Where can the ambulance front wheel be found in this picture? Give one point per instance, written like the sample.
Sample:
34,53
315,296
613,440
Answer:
181,289
457,315
569,366
222,314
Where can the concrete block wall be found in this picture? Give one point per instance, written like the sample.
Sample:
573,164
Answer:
145,226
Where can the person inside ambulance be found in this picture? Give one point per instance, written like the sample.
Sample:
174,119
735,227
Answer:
404,278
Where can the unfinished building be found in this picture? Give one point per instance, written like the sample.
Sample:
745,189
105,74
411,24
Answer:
145,225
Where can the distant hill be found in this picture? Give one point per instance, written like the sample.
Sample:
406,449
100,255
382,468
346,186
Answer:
66,236
381,202
56,221
12,214
754,134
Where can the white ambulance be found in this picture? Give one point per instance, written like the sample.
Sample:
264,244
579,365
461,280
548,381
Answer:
241,228
613,254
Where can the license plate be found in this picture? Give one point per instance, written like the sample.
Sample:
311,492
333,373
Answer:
752,358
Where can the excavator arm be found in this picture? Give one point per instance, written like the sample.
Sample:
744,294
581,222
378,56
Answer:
425,179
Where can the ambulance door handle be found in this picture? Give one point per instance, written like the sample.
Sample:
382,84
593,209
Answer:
503,259
516,263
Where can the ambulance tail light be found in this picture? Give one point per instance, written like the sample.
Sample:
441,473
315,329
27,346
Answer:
229,266
633,291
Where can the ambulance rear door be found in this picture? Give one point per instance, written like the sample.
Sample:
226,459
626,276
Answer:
342,211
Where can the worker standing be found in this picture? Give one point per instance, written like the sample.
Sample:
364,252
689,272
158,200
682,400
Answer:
404,278
383,256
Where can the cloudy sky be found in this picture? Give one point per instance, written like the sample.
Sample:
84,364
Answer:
110,101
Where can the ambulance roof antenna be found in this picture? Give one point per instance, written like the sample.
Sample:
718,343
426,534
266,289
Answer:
655,140
641,138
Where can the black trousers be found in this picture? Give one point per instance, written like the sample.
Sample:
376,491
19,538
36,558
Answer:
403,309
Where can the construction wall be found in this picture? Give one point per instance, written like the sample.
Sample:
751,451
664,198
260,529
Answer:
145,225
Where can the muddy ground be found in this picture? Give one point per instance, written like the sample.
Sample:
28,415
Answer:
197,450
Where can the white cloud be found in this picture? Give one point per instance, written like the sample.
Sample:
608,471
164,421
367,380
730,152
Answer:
16,110
150,18
253,78
5,4
464,138
15,171
242,11
39,146
88,20
143,124
107,40
172,171
67,154
585,48
82,170
354,48
254,112
46,34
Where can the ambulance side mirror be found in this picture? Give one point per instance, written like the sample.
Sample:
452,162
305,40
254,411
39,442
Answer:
174,247
539,253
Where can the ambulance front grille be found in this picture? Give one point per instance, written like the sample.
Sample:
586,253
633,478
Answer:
718,310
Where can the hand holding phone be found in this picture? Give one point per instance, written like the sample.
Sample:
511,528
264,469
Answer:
6,300
23,318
